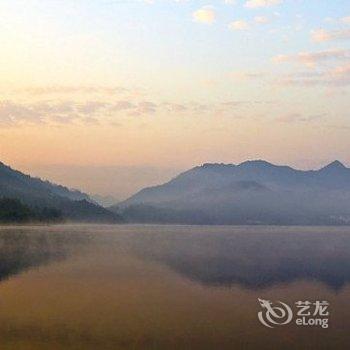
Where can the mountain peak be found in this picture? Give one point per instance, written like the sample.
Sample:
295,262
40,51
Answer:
258,162
335,165
215,165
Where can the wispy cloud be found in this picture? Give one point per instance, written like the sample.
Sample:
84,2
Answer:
334,77
340,75
90,107
175,107
122,106
345,20
242,75
261,20
12,113
70,112
9,111
298,117
57,89
261,3
329,68
205,14
144,107
239,25
94,112
310,59
322,35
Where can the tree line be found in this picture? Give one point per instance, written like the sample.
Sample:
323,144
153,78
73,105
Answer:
14,211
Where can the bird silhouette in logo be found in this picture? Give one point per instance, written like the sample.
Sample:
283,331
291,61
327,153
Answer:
274,315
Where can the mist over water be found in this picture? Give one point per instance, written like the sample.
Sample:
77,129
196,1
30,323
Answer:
164,287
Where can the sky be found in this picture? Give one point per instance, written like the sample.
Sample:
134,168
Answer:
96,93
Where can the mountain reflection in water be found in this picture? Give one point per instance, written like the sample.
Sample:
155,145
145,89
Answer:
219,256
23,249
252,259
168,287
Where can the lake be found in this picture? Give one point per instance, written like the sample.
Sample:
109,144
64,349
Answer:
174,287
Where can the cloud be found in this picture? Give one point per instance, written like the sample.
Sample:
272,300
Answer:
241,103
298,117
342,70
334,77
311,59
323,35
57,89
205,15
90,107
239,25
246,75
11,112
242,24
14,113
90,121
175,107
134,108
261,3
95,112
330,68
69,112
261,19
122,105
340,75
146,107
345,20
105,112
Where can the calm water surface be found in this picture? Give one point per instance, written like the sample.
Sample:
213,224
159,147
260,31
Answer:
169,287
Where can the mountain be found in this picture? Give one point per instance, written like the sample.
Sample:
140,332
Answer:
104,201
42,197
253,192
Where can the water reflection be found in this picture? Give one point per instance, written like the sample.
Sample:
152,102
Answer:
23,249
256,258
250,257
150,287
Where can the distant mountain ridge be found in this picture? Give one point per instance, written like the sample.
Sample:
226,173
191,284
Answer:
39,195
253,192
18,179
